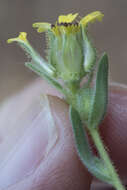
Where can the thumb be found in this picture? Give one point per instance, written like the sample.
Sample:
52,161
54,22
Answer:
45,158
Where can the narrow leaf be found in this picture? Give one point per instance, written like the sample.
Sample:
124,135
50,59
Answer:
94,165
100,94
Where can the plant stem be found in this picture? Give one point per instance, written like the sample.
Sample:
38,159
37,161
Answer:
104,156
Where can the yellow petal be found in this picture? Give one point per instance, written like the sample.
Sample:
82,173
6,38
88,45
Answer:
22,37
92,17
67,18
42,26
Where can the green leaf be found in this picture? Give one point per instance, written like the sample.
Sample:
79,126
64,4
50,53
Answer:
100,94
94,165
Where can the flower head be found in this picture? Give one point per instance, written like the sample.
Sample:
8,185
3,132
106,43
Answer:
67,24
70,53
66,44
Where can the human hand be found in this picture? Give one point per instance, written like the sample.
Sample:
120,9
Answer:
37,155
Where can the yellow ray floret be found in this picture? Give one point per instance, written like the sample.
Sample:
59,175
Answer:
92,17
65,24
22,37
42,26
67,18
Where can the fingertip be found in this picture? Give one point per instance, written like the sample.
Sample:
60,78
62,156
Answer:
64,169
114,127
61,167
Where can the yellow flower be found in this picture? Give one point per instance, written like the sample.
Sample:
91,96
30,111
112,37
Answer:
92,17
67,24
69,48
22,37
67,18
70,53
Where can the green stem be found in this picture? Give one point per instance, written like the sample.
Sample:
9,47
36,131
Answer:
104,156
72,87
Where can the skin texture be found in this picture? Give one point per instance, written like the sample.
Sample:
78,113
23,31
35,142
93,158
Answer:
26,131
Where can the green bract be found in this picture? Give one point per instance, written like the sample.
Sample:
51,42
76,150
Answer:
64,53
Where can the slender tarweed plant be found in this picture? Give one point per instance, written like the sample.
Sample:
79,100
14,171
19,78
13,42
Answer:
71,57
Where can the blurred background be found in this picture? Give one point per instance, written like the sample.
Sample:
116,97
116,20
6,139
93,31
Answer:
18,15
